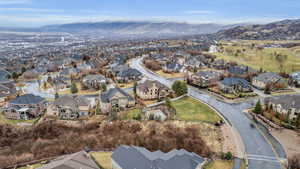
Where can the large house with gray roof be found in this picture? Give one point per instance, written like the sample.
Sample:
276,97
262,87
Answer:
128,75
115,99
234,85
131,157
94,81
262,80
25,107
286,105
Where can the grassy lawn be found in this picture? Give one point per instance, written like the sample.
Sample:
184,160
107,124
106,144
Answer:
4,120
149,102
243,165
130,114
260,58
103,159
170,75
219,164
80,91
125,85
32,166
189,109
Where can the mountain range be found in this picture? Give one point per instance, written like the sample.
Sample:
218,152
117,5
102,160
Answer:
281,30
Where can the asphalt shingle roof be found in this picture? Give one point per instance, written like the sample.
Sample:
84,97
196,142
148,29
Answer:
106,96
27,99
130,157
79,160
231,81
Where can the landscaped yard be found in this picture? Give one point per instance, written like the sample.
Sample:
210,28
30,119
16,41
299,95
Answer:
80,91
170,75
34,166
131,114
4,120
263,58
189,109
125,85
103,159
219,164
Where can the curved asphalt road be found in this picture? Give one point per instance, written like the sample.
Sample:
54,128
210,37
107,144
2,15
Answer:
258,150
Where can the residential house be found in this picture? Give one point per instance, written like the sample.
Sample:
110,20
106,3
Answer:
288,105
204,78
131,157
25,107
94,81
234,85
30,74
262,80
7,92
295,79
173,67
193,63
115,99
149,90
79,160
155,114
160,112
241,71
219,64
4,76
69,107
128,75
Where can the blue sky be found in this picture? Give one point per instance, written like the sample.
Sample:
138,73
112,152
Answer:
31,13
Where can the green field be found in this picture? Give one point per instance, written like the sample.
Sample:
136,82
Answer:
189,109
103,159
130,114
267,58
219,164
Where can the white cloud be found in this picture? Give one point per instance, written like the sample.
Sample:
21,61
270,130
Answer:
199,12
8,2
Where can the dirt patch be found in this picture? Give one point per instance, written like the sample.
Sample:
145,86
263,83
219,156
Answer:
228,140
289,139
211,134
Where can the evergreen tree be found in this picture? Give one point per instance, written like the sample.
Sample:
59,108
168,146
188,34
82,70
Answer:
56,95
134,87
297,123
180,88
258,108
15,75
103,87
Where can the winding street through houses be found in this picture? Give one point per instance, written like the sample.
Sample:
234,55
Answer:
253,144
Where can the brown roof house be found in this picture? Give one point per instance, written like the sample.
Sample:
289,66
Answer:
204,78
149,90
79,160
115,99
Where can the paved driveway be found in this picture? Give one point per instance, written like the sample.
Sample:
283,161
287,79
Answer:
258,150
